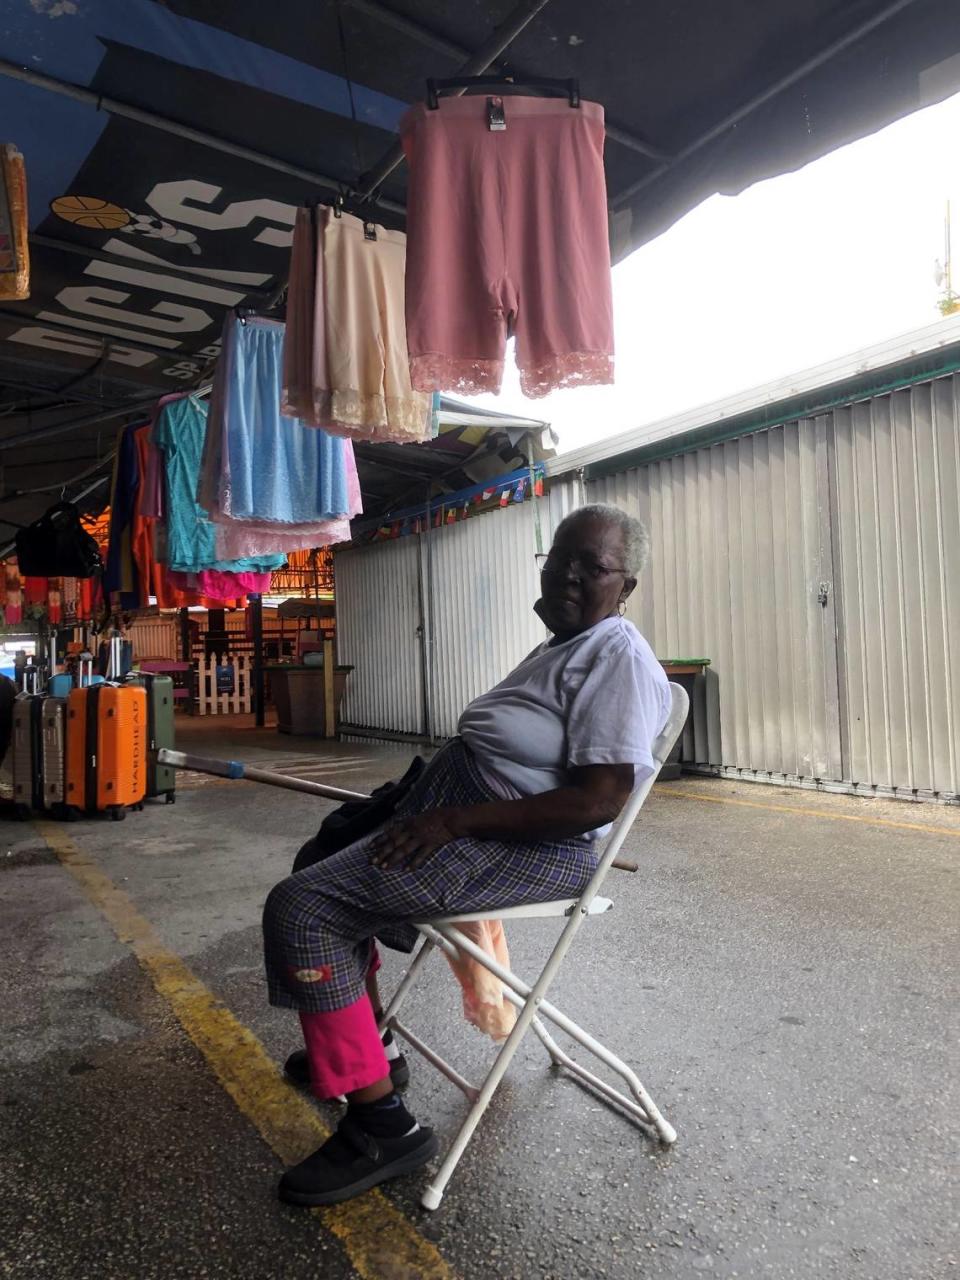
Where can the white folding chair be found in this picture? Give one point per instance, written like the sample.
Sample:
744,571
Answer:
442,934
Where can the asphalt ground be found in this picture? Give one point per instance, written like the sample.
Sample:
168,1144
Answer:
781,973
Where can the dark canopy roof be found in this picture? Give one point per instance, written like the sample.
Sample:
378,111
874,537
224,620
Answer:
168,143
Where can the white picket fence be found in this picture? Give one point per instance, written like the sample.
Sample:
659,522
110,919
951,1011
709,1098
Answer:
211,673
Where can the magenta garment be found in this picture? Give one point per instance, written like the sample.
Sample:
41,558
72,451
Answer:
344,1049
344,1046
507,232
216,584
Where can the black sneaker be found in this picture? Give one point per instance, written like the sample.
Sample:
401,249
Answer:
297,1070
353,1161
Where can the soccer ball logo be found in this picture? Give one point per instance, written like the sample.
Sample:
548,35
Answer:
101,215
154,228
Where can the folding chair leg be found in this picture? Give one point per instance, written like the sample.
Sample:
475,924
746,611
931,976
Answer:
643,1109
434,1193
409,978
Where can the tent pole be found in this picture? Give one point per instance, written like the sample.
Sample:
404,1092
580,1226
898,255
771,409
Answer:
255,604
117,108
762,98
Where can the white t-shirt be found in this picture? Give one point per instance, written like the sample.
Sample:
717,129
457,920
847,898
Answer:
600,698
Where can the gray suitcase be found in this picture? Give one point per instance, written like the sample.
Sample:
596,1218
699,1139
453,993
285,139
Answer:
53,752
26,744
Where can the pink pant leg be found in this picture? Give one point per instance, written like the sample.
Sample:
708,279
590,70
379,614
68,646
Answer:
344,1049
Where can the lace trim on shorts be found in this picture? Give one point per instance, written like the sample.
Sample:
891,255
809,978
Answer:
576,369
467,377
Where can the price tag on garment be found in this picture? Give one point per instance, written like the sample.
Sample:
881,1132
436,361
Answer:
496,116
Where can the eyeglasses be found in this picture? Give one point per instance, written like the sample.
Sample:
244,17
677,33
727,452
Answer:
551,562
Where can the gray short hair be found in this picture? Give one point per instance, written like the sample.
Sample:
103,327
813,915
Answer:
636,539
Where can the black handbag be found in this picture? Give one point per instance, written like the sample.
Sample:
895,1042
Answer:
358,818
57,545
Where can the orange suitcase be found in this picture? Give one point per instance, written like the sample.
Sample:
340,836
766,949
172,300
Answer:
106,748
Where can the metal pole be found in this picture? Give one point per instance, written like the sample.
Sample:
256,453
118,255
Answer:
117,108
235,769
488,53
764,97
426,621
135,406
185,653
60,428
255,604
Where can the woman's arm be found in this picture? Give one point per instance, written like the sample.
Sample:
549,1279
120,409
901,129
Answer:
595,795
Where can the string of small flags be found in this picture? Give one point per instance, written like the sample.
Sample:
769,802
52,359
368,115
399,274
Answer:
450,511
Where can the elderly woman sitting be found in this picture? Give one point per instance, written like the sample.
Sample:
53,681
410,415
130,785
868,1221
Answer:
507,813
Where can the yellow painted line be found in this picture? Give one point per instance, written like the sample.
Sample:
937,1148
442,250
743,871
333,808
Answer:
809,813
379,1241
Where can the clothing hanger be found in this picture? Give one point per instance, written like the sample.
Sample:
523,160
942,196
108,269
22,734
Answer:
361,208
569,89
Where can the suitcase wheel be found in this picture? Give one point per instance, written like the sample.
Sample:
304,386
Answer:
171,797
117,812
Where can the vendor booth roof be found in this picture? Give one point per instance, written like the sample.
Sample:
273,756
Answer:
168,144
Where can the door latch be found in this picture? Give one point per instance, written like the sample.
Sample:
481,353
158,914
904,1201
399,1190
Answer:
823,593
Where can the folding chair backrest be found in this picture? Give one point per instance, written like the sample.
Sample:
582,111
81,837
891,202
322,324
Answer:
680,705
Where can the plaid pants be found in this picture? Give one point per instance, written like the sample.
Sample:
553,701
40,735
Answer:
319,925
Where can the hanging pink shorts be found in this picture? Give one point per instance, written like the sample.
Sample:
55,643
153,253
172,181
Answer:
507,233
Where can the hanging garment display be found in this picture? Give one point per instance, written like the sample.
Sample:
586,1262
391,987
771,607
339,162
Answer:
13,608
306,383
507,234
238,539
346,366
54,602
70,592
154,576
269,481
178,434
217,588
14,245
121,578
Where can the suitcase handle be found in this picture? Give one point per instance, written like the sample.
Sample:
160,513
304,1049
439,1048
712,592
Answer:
30,679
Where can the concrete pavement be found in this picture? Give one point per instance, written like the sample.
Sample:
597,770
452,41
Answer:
781,973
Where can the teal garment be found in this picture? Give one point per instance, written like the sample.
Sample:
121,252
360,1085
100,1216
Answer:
179,433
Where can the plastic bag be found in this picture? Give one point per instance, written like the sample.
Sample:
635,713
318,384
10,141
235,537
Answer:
14,251
57,545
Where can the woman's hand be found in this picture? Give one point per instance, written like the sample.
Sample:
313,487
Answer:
412,841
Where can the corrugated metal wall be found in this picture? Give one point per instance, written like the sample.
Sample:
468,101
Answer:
479,622
896,514
485,580
737,557
378,633
817,564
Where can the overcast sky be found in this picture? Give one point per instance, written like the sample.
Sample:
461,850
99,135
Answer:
793,272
